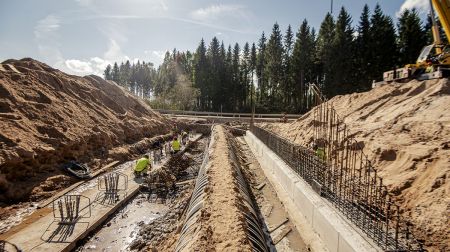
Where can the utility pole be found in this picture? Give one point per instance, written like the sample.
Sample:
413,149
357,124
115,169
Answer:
252,120
331,6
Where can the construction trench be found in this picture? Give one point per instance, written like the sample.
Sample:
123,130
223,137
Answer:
214,186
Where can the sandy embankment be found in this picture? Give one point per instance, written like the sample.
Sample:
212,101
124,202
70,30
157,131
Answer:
406,132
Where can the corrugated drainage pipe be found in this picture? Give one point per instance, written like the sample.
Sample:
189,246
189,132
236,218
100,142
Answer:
254,230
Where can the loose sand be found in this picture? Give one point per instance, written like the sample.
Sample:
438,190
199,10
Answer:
222,224
406,132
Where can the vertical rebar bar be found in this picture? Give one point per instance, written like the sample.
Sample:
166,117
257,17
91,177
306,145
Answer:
397,226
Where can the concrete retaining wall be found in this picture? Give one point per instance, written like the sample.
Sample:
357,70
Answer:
335,231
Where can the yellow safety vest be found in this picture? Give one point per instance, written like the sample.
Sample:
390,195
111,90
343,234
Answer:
175,145
320,152
141,164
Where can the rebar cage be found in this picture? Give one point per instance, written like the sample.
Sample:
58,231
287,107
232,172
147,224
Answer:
346,178
70,208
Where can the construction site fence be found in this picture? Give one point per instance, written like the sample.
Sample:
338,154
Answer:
225,114
344,176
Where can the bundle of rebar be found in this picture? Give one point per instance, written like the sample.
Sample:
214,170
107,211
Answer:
69,207
111,183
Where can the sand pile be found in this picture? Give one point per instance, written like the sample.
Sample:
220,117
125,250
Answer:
48,117
406,132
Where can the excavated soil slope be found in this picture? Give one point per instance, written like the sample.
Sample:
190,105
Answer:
406,132
48,117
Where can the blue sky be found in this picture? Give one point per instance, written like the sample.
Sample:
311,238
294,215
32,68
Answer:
83,36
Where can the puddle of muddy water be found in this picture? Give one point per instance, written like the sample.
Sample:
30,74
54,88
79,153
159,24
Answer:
122,228
17,217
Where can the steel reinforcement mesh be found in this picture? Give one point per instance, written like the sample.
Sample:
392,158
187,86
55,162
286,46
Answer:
346,178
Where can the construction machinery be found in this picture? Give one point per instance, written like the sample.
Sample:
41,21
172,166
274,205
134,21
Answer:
434,60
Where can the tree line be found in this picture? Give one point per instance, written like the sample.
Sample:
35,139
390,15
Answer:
137,78
274,71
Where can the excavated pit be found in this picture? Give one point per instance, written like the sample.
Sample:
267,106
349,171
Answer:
128,229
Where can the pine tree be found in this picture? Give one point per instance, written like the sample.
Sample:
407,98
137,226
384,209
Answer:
325,53
223,84
200,74
107,73
260,66
116,73
344,56
214,62
274,66
125,75
302,64
229,85
252,69
411,37
245,69
363,52
286,84
236,77
188,64
384,51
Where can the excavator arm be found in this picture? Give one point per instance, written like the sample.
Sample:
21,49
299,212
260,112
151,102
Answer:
442,8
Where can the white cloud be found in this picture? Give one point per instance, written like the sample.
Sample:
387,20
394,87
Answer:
84,3
156,56
46,37
163,5
79,66
422,6
46,26
96,65
216,11
124,8
114,52
157,53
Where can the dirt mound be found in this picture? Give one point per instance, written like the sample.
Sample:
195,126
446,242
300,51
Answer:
221,225
405,129
48,117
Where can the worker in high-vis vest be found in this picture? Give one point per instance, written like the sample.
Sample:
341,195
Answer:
320,152
175,145
142,165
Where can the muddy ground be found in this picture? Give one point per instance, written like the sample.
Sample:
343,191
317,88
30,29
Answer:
271,208
149,218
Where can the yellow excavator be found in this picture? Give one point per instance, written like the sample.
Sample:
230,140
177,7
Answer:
434,59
